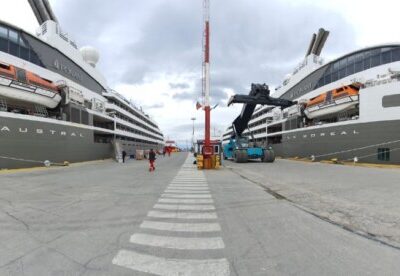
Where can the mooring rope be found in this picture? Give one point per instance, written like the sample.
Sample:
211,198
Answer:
46,162
355,149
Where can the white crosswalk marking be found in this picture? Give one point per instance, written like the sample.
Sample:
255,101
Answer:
171,190
177,242
181,227
185,201
183,207
182,215
170,195
170,267
186,206
188,188
188,184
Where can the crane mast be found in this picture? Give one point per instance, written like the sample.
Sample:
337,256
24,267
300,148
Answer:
208,150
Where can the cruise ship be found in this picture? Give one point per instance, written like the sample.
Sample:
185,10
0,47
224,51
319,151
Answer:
347,109
55,106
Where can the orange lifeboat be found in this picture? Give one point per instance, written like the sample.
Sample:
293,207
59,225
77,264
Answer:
338,100
23,85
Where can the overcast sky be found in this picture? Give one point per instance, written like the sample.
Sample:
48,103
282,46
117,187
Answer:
151,50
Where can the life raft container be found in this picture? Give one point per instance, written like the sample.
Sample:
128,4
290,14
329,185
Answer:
23,85
335,101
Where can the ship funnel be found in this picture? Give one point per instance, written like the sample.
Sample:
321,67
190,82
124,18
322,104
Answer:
311,44
42,11
322,43
317,42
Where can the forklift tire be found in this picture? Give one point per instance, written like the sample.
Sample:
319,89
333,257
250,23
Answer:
269,156
241,156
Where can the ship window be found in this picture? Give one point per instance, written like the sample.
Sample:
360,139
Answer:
358,57
13,39
367,54
358,66
328,79
342,63
384,154
321,82
396,54
23,49
350,69
391,101
3,39
367,63
386,57
335,66
342,73
335,76
375,60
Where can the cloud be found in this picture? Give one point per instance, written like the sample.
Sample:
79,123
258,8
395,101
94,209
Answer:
154,106
184,96
181,85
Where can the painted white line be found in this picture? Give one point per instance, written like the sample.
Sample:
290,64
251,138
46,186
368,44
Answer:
185,196
189,181
188,188
185,201
172,190
181,227
170,267
178,242
182,215
181,207
190,184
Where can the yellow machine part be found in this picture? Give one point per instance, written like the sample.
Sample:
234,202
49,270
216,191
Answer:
210,163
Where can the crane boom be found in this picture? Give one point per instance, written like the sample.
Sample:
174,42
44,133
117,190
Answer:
259,94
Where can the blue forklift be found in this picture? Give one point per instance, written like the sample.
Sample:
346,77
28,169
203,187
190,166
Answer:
239,148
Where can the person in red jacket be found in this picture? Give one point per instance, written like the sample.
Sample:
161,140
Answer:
152,159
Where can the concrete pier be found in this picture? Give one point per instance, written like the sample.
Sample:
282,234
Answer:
285,218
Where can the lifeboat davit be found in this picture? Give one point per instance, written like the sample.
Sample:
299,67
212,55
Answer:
335,101
23,85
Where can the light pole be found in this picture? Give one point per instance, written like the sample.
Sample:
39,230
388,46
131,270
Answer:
193,119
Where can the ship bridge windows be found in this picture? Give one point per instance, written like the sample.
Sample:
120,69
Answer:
3,39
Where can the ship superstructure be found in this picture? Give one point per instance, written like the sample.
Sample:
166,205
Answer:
55,105
348,108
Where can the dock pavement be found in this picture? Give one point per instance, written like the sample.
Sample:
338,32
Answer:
105,218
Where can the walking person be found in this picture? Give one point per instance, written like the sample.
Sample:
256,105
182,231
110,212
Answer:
152,159
123,156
